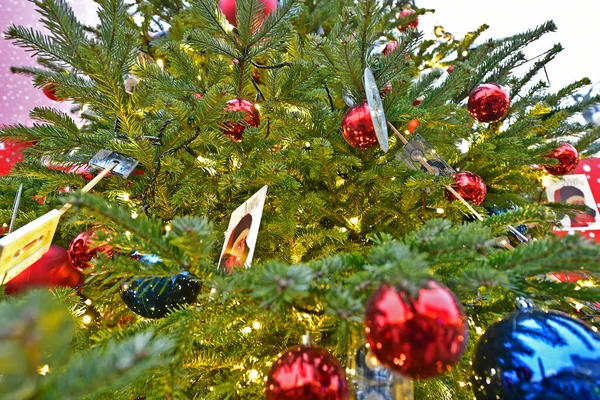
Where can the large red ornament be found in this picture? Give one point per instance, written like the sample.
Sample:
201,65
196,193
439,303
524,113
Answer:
567,157
53,269
357,127
306,373
10,154
228,8
412,25
236,130
418,337
470,186
488,102
84,247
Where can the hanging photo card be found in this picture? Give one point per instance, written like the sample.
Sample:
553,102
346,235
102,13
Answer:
575,189
241,235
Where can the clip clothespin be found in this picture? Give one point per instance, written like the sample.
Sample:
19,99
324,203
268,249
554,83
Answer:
380,124
26,245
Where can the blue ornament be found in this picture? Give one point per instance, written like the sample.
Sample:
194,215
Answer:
153,297
496,210
534,355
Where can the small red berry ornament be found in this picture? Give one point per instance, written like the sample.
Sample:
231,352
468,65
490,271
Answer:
567,157
357,127
236,130
84,247
418,101
470,186
306,373
228,8
53,269
450,69
413,124
49,90
420,337
488,102
411,25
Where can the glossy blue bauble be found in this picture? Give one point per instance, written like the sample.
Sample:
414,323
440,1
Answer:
154,297
537,355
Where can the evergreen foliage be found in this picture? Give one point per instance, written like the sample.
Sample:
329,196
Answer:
338,221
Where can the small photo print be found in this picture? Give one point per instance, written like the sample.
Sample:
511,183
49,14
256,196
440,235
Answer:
241,235
575,189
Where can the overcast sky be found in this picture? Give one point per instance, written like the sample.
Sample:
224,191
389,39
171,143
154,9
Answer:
577,20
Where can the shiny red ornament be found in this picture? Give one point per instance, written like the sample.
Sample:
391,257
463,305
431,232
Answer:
470,186
450,69
84,247
567,157
488,102
228,8
412,25
49,90
418,101
306,373
418,337
236,130
413,124
11,152
53,269
390,47
357,127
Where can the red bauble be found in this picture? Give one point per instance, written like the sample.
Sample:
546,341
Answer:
413,124
49,90
412,25
252,118
228,8
386,89
84,247
53,269
567,157
10,154
418,337
357,127
488,102
389,48
470,186
418,101
306,373
450,69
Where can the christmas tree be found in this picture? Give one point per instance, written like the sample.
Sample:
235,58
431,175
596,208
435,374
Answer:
216,101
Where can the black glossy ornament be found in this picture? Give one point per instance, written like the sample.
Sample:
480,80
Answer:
154,297
534,355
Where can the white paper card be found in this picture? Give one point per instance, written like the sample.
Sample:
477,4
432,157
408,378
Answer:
241,235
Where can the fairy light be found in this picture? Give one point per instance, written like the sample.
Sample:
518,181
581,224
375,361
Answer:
465,53
86,319
44,369
246,330
160,62
128,234
168,228
134,215
88,302
479,330
124,196
253,375
257,106
256,325
343,229
440,210
547,180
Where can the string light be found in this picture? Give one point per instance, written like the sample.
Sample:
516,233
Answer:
246,330
256,325
160,62
44,369
134,215
124,196
88,302
253,375
440,210
168,228
86,319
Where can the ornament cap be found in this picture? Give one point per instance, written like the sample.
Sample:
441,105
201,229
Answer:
307,339
524,303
